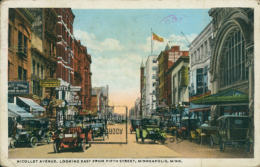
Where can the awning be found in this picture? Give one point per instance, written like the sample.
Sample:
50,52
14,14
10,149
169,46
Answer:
33,106
14,111
225,97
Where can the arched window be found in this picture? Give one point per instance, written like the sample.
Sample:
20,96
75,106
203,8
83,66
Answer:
234,62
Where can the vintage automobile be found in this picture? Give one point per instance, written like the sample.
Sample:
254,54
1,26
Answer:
135,123
150,129
99,128
187,125
69,137
233,131
33,130
171,127
203,133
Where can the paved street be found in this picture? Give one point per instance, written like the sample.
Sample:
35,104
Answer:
130,150
180,148
194,150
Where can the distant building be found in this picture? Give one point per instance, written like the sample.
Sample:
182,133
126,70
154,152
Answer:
166,59
150,72
142,75
200,57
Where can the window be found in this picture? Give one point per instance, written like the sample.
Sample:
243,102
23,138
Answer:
20,72
173,82
25,44
154,61
33,67
179,78
154,84
20,41
41,71
153,76
154,68
24,74
38,70
9,36
69,76
51,73
235,60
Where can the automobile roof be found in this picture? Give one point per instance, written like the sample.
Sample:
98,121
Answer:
231,116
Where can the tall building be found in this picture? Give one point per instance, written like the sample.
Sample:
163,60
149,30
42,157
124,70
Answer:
141,85
166,59
44,60
200,56
82,75
64,51
102,99
150,72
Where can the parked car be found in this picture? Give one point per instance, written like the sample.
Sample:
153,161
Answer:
69,137
232,131
203,133
187,125
171,127
99,128
33,130
135,123
150,129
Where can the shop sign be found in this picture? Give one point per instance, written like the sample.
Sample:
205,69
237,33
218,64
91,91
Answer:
51,83
75,103
75,88
65,88
18,87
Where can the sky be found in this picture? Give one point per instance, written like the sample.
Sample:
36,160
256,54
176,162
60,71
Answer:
119,39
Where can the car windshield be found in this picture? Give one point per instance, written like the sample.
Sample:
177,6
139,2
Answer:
238,122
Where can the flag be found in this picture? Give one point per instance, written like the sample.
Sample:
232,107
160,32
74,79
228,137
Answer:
157,38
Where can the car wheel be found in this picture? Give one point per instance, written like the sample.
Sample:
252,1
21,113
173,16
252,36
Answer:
56,147
248,148
33,141
163,140
222,146
198,139
12,143
49,139
211,142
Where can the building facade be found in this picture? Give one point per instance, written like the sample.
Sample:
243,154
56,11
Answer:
232,60
44,60
200,87
82,75
150,72
64,51
142,75
166,59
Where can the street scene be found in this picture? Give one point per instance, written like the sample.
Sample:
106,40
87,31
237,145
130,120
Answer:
131,83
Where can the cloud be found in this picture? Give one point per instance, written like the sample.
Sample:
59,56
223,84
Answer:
174,40
94,45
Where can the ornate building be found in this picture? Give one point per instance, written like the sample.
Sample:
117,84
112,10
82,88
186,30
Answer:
232,60
44,60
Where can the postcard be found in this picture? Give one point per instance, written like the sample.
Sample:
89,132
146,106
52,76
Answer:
129,83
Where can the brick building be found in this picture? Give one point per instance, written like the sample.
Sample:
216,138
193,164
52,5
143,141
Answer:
19,45
44,60
64,51
166,60
82,75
